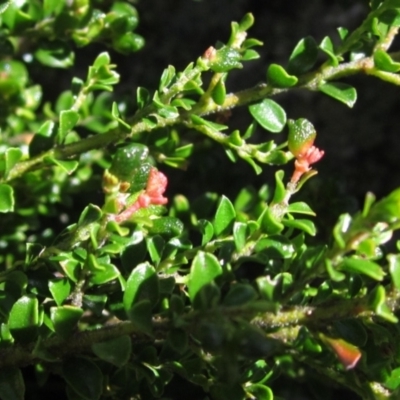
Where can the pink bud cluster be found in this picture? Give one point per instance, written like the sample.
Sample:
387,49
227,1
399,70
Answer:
153,194
304,160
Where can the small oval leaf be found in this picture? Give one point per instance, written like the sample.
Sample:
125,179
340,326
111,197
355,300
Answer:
341,92
269,114
224,217
205,268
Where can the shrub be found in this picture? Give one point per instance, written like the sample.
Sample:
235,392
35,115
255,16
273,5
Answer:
128,289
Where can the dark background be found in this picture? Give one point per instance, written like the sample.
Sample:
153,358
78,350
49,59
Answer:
361,144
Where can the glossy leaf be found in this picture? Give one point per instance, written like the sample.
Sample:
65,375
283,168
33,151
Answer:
59,289
303,224
269,114
24,318
218,94
166,226
224,217
207,230
12,156
300,207
377,301
280,190
155,246
6,198
239,235
65,319
303,57
246,22
142,284
55,54
84,377
341,92
205,268
327,47
69,166
393,381
394,269
364,267
68,119
269,222
261,392
278,77
225,59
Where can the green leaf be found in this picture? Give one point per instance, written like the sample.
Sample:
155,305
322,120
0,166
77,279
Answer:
269,114
343,32
327,47
12,386
128,43
261,392
384,62
218,93
239,235
106,273
224,217
269,223
201,121
84,377
24,318
68,119
59,289
341,92
55,54
394,268
142,284
102,60
155,246
225,59
12,156
65,319
166,226
204,269
300,208
280,190
166,78
115,351
246,22
377,301
393,381
278,77
207,230
303,224
364,267
69,166
6,198
250,54
303,57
